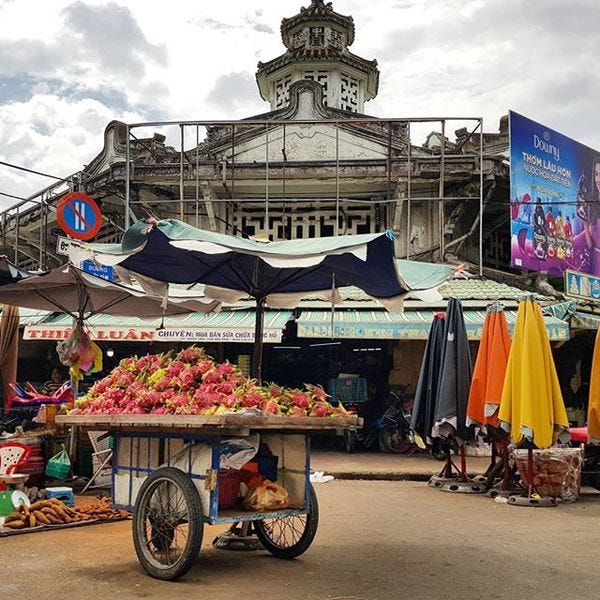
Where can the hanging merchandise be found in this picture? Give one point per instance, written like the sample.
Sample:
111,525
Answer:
80,354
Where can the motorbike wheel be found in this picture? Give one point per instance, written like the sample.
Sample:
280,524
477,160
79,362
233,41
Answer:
391,440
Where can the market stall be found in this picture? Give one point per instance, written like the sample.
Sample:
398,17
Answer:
168,470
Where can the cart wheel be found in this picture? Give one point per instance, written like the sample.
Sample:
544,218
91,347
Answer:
289,537
167,524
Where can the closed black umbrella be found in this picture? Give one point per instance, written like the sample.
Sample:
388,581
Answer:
422,418
452,398
455,378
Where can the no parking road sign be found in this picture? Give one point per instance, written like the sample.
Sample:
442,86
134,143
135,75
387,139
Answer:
79,216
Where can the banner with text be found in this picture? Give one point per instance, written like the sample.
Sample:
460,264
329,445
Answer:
555,200
149,334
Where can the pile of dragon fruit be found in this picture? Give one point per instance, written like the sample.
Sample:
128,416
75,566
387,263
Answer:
192,383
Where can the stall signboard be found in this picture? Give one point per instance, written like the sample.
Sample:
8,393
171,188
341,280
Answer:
582,286
555,200
152,334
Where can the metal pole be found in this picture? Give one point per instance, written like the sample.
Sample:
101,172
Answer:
127,179
197,173
408,191
181,191
232,172
388,209
41,224
258,339
17,234
337,178
441,193
481,196
266,188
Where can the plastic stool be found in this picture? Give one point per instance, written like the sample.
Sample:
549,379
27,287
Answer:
64,494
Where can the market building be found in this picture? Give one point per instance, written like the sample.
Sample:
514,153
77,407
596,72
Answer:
316,164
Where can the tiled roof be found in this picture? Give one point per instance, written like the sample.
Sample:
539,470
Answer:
483,289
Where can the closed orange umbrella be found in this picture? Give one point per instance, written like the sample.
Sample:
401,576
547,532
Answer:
490,367
9,348
594,399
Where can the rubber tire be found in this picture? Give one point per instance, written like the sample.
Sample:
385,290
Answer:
195,524
308,535
386,441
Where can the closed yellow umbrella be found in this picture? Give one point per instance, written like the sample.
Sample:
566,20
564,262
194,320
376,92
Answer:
594,399
532,405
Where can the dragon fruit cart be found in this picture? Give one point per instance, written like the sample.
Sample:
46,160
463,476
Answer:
166,469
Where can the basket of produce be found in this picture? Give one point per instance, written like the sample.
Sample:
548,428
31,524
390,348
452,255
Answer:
229,487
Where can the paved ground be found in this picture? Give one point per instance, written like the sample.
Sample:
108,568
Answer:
382,466
377,540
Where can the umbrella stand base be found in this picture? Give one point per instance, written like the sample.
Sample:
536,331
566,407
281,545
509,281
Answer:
231,541
495,492
437,481
542,501
239,537
463,487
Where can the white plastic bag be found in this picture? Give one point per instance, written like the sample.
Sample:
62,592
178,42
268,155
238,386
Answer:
236,452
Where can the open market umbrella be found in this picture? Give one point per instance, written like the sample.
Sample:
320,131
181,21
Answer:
593,416
276,274
70,290
532,408
10,273
9,348
487,383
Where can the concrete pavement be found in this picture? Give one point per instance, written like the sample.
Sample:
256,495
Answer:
382,466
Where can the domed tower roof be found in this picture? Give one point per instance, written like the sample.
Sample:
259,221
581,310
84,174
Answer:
316,42
316,12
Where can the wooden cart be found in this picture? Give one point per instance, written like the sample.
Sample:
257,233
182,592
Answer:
165,468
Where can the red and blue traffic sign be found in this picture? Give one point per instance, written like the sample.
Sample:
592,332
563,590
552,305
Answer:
79,216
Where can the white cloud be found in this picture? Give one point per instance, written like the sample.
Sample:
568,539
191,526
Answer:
79,64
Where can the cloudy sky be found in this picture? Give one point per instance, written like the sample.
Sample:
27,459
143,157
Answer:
69,67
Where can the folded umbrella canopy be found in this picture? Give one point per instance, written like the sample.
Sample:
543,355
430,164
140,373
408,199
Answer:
455,378
422,417
486,392
490,367
594,397
276,274
532,408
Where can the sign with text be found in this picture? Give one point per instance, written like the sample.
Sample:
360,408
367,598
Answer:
103,271
555,200
147,334
62,245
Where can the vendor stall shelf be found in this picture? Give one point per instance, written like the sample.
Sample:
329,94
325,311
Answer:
165,469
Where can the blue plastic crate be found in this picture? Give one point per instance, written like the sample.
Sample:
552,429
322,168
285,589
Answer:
352,390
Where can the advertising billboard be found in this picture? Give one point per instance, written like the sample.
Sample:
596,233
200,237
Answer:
555,200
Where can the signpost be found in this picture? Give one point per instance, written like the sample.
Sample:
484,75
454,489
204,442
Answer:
79,216
62,245
105,272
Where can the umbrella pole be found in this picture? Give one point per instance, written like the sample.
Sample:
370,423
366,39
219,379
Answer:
72,433
257,354
529,471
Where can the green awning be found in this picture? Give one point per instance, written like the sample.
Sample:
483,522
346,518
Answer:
407,325
224,326
581,320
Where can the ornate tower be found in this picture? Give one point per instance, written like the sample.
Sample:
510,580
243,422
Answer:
317,41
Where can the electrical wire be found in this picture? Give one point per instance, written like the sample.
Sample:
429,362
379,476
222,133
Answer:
32,171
